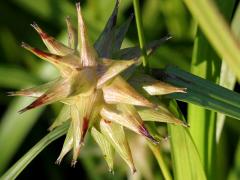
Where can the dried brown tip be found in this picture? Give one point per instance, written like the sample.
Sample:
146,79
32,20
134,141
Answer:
155,107
145,132
166,138
73,163
111,171
39,31
38,102
185,124
36,27
11,93
43,55
84,129
181,90
16,93
167,37
23,110
68,20
134,170
153,140
78,6
26,46
58,161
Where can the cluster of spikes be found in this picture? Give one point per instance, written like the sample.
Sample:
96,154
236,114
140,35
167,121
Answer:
95,95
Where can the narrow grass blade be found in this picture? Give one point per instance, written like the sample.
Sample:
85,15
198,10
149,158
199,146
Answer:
21,164
159,157
186,160
206,64
140,33
227,77
217,31
202,121
201,92
14,128
227,80
234,172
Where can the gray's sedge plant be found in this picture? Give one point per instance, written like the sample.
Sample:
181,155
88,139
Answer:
96,96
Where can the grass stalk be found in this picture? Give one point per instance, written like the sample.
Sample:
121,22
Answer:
164,168
155,149
206,64
202,121
217,31
187,164
140,31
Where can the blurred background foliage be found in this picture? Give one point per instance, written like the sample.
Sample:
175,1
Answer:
20,69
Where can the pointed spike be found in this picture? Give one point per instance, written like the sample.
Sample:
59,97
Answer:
104,43
34,91
67,145
114,133
26,46
84,128
119,91
88,107
113,18
72,34
42,34
88,53
135,52
185,124
120,33
73,163
105,147
126,115
25,93
39,30
40,101
145,132
52,44
81,117
12,93
44,55
55,93
58,161
152,46
22,110
161,114
66,64
155,87
77,132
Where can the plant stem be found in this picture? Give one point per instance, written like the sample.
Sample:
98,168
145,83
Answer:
157,153
140,34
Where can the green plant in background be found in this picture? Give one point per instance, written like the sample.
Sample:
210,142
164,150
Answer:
98,99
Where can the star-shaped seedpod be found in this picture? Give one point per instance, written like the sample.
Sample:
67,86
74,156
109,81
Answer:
94,93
